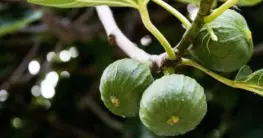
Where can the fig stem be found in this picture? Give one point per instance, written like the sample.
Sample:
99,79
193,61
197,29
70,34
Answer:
217,12
192,32
174,12
157,34
168,71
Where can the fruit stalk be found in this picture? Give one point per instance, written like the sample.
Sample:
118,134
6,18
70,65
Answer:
173,11
192,32
157,34
169,71
220,10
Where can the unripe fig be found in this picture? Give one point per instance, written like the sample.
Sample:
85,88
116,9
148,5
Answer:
234,46
122,85
173,105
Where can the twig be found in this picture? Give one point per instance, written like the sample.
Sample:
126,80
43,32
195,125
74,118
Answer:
104,116
87,101
228,4
16,75
74,130
132,51
132,18
68,31
190,34
35,29
155,32
84,17
45,66
117,37
259,50
173,11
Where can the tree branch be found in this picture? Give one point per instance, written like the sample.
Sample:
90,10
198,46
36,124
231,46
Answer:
258,50
117,37
68,31
17,74
89,102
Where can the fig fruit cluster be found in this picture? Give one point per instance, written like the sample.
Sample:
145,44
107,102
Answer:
169,106
175,104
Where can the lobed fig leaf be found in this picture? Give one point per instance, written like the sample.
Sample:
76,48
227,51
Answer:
234,47
173,105
88,3
122,84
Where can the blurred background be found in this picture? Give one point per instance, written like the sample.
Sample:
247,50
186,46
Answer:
51,61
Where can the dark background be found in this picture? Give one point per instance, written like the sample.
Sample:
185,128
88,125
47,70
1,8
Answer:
76,110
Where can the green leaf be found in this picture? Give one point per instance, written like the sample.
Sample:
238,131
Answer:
252,82
243,72
8,27
88,3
